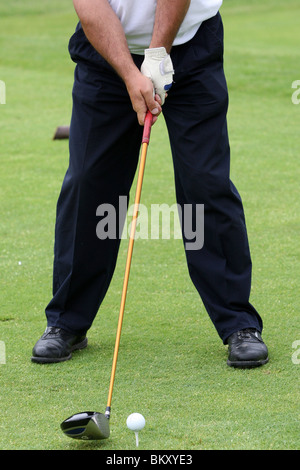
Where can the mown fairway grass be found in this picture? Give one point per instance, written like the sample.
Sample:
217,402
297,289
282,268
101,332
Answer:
172,365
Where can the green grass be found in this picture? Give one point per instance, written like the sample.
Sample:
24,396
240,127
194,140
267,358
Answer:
172,365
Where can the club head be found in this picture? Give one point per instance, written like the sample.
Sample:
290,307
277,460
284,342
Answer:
88,425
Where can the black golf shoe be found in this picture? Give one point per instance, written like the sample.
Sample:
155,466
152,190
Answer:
56,345
246,349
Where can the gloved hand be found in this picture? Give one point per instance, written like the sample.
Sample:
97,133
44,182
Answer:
158,67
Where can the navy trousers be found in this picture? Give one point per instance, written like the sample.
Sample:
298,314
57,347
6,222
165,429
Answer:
104,150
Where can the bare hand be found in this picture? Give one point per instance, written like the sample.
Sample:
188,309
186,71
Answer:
140,89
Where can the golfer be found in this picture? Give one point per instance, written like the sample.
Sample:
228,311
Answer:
165,56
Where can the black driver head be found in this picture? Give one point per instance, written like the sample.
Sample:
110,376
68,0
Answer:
88,425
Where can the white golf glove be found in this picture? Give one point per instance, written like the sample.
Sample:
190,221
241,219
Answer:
158,67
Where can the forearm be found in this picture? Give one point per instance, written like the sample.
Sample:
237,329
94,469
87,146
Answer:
168,18
104,31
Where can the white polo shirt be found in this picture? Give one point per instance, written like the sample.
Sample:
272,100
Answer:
137,18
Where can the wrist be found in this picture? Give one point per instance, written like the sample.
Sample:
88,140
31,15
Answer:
131,77
157,45
128,72
156,52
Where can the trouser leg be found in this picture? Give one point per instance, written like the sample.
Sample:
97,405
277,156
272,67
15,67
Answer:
195,113
104,147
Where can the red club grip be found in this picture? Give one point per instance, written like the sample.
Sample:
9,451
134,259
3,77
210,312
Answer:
147,127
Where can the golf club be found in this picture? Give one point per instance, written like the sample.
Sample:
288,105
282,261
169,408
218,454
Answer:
90,425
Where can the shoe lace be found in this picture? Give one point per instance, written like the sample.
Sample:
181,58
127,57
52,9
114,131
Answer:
53,330
246,333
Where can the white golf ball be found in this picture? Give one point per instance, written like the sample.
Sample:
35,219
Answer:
135,422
